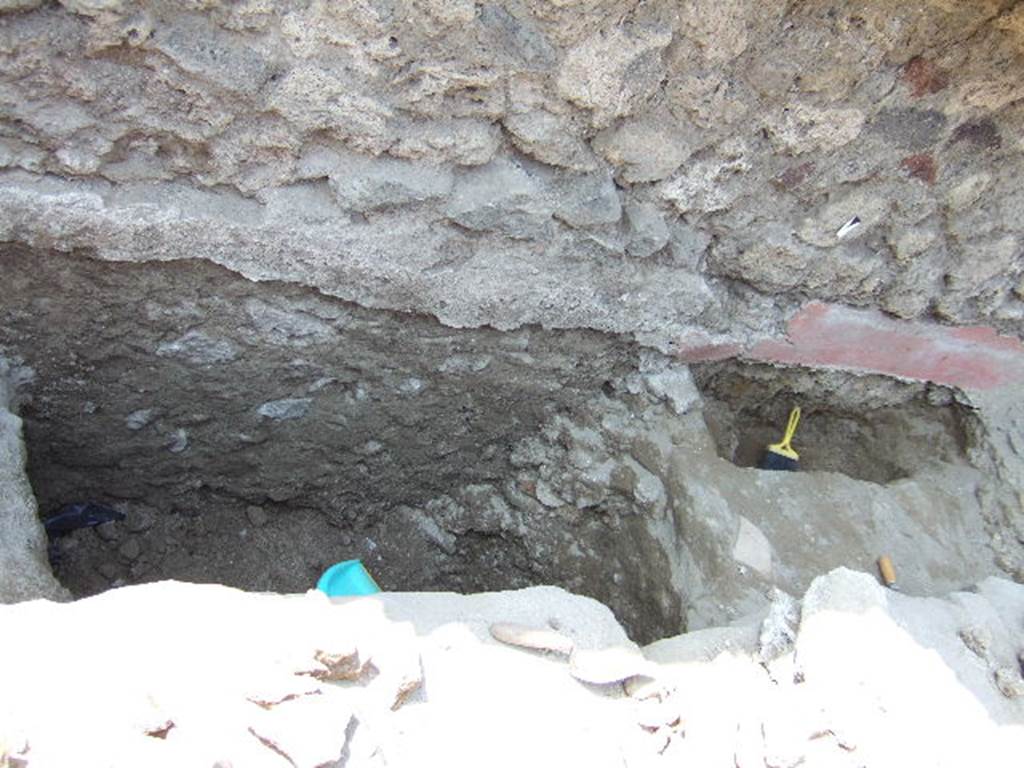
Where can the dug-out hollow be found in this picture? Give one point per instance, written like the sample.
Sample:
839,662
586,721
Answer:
255,433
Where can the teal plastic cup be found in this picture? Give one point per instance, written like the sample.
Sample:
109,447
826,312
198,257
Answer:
347,578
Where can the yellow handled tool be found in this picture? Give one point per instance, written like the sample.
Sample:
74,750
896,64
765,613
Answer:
781,455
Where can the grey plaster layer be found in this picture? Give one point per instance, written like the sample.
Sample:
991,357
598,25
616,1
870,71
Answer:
392,260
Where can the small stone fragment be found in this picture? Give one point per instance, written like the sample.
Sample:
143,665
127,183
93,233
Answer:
648,231
923,77
288,408
646,689
793,176
136,420
109,531
752,548
465,364
674,384
920,166
257,516
178,441
501,196
643,150
804,128
160,730
433,532
197,347
585,200
1009,682
338,665
612,73
977,639
546,496
980,135
109,571
363,183
524,636
407,685
647,490
284,492
550,138
139,520
411,386
131,549
93,7
779,628
299,731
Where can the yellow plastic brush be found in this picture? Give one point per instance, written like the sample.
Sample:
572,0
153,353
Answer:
781,455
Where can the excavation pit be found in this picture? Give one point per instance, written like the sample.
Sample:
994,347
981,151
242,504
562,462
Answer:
254,434
870,428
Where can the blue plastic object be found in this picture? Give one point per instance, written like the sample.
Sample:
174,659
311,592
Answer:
84,515
347,578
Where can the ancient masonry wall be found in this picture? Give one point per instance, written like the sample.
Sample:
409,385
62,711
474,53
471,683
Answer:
692,174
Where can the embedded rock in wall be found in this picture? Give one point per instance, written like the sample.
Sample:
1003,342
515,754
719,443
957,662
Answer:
457,159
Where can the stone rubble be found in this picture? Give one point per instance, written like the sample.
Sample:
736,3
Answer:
204,673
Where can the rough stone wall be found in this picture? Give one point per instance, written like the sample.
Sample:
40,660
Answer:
678,171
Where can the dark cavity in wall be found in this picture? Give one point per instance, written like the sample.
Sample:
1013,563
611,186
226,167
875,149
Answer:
256,433
867,427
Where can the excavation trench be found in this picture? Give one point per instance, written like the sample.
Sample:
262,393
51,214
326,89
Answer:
255,433
871,428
